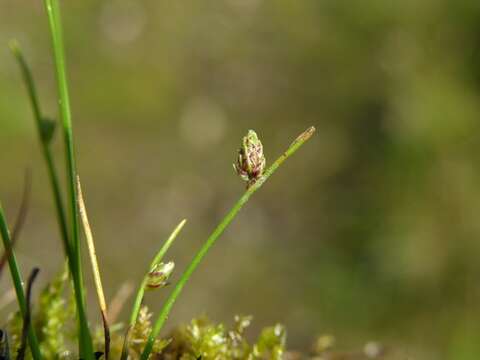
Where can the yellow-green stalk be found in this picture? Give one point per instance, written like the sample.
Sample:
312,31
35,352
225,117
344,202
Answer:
95,268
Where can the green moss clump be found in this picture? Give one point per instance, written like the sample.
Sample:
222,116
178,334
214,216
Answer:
14,327
201,338
54,321
52,316
140,333
204,339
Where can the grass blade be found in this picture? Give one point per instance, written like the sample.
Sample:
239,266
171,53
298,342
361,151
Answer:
53,12
17,283
165,311
141,290
45,144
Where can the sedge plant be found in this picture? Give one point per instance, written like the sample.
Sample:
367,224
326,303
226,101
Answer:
250,166
54,20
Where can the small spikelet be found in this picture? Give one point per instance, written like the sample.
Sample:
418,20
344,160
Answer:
159,274
250,163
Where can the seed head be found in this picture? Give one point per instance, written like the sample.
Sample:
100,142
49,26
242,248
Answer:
159,274
251,161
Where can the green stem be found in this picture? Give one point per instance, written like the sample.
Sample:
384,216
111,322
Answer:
165,311
17,283
141,290
47,153
53,12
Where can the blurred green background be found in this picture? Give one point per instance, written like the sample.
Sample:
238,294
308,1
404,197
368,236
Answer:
370,232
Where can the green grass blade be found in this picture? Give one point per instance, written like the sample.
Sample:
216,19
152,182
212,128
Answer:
165,311
141,290
47,153
53,12
17,283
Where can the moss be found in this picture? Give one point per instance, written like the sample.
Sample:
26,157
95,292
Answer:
199,339
140,333
52,317
205,339
14,327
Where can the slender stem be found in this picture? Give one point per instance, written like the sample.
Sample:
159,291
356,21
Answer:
48,156
23,210
95,268
17,283
47,153
141,290
21,216
28,315
53,12
165,311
